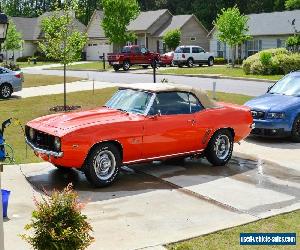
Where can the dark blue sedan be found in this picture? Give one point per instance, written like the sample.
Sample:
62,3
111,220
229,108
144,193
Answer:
277,113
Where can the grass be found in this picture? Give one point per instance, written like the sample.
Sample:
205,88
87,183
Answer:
31,108
25,64
86,66
218,70
229,238
32,80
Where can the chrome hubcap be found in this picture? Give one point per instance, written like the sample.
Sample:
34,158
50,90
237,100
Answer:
222,147
190,63
104,164
126,65
5,91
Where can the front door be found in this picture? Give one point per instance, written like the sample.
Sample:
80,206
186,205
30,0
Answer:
173,130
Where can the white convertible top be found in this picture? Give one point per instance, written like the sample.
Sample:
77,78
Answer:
167,87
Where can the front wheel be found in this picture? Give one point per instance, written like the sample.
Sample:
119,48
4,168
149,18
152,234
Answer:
296,130
126,65
220,147
103,165
5,91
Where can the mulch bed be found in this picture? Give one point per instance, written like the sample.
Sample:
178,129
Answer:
64,109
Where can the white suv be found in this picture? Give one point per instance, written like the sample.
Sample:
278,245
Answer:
190,55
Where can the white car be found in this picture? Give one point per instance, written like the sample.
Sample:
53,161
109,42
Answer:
191,55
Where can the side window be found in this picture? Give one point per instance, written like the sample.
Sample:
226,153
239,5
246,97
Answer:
196,106
171,103
137,50
201,50
186,50
2,71
195,50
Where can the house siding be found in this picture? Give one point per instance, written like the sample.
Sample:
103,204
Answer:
193,29
28,49
264,42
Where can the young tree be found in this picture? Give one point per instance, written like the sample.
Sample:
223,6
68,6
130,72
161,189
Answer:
117,16
13,39
232,28
172,38
62,41
292,4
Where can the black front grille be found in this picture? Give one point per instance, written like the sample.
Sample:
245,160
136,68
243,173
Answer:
256,114
41,140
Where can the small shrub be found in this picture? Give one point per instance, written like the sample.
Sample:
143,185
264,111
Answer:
272,61
220,61
23,59
265,58
11,65
57,223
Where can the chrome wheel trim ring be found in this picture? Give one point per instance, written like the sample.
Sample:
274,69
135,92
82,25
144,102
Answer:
126,65
5,91
104,164
222,147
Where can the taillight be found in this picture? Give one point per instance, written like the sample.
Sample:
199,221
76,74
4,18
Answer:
18,76
183,55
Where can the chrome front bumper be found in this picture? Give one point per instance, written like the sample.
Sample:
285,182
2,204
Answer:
43,151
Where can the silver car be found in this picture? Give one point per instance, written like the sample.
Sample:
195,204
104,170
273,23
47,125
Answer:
10,82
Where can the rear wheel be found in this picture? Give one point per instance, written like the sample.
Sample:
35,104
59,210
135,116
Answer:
126,65
103,165
190,62
5,91
296,130
116,67
210,61
220,147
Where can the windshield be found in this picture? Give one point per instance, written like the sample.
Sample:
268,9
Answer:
126,49
289,85
178,50
129,100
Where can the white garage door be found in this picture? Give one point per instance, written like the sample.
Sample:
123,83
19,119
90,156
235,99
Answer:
94,51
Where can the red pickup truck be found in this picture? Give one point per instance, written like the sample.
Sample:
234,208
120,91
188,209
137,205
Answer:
132,55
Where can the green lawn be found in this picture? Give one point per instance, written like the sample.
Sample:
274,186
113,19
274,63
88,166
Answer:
86,66
32,80
229,238
217,70
26,64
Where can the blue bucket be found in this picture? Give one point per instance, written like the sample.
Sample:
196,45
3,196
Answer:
5,198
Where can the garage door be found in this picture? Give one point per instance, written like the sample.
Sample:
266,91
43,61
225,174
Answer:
94,51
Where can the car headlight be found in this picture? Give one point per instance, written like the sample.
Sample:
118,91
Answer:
275,115
31,134
57,143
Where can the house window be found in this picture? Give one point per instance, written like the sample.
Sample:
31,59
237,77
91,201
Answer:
253,46
193,39
221,49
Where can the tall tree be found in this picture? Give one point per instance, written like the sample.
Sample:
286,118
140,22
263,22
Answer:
118,14
232,28
13,40
63,42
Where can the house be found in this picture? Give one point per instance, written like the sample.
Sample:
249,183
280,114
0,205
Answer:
268,30
97,42
30,29
149,27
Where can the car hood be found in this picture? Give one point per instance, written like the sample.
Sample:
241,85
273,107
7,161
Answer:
273,102
63,123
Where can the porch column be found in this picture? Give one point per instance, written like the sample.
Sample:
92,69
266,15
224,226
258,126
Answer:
145,40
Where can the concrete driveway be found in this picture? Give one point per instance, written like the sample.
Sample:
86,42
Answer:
154,204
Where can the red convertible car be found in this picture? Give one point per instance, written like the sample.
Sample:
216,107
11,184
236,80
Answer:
140,123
